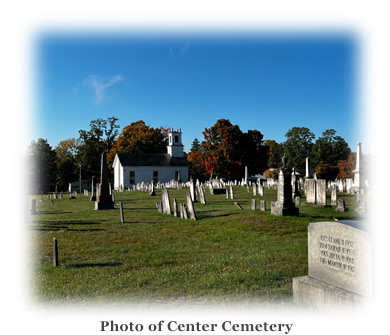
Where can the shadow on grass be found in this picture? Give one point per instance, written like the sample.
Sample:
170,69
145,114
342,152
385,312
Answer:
93,265
52,212
57,228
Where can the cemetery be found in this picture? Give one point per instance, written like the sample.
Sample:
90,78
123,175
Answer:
165,242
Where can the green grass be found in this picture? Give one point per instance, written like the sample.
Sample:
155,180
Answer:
227,254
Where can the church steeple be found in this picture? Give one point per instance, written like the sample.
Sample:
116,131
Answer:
175,146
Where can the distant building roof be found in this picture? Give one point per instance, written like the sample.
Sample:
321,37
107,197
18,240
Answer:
145,159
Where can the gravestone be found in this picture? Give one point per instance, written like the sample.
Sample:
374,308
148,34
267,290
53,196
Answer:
152,192
104,198
284,205
174,207
246,176
339,266
316,192
261,190
254,189
361,207
122,217
231,192
190,206
33,206
262,205
253,204
341,206
192,190
183,211
202,196
159,206
238,205
166,204
93,190
333,196
297,200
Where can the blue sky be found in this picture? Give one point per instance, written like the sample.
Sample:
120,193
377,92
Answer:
266,82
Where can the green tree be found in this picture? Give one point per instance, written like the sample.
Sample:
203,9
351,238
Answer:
275,153
67,167
298,146
195,146
41,166
330,149
93,142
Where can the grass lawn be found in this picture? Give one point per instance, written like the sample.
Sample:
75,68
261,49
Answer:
227,254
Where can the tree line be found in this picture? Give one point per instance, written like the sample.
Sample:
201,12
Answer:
224,152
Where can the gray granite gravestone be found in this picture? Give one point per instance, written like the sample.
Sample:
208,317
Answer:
104,198
339,255
284,205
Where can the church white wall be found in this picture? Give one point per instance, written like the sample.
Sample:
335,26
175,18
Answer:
145,174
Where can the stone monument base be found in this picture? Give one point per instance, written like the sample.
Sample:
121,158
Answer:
317,294
284,211
104,205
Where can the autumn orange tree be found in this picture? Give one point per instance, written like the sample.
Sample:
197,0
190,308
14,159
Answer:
227,150
138,137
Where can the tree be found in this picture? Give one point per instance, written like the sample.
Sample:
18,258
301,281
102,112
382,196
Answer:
197,165
195,146
138,137
275,153
346,167
326,171
67,167
227,150
298,146
330,149
41,165
94,142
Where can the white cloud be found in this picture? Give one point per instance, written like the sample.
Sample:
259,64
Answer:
99,87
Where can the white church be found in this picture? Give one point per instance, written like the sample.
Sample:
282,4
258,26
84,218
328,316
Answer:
130,169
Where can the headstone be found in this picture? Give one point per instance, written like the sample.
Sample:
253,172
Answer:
192,190
341,206
262,205
55,252
93,191
174,207
253,204
121,212
284,205
254,189
357,179
361,207
152,192
231,192
33,206
339,266
190,206
316,192
333,195
321,192
183,211
261,190
104,198
246,176
238,205
297,200
166,204
159,206
202,196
